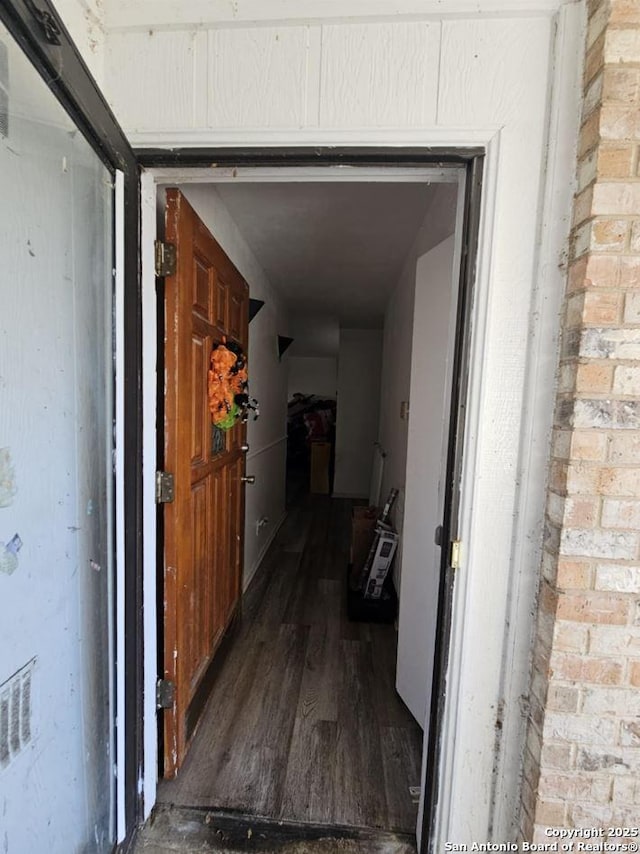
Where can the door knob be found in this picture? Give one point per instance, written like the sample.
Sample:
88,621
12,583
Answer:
244,448
248,478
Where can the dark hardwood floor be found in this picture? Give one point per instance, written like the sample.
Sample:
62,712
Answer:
303,722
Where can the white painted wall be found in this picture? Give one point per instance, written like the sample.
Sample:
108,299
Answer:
313,375
431,361
85,21
396,353
267,381
478,72
315,335
359,366
56,795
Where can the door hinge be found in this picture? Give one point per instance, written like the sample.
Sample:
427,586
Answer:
165,694
165,258
164,487
455,554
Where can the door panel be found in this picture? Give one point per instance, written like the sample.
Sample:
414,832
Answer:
200,349
203,525
431,366
236,314
221,305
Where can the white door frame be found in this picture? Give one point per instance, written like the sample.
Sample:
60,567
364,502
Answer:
150,180
474,728
119,481
178,176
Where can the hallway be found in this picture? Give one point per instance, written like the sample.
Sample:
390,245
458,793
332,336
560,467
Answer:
303,722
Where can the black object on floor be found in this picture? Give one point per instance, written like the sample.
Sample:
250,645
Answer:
382,610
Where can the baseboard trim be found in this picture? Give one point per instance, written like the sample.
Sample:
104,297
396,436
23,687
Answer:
265,547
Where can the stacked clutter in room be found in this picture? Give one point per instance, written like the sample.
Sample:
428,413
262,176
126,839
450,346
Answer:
371,596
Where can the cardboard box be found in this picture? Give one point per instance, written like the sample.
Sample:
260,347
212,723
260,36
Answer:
363,521
379,562
320,461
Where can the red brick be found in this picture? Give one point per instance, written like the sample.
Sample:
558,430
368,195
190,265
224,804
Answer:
620,514
576,277
620,84
609,234
558,477
594,60
573,786
622,45
570,637
602,308
582,479
624,12
551,813
630,272
582,206
597,23
574,310
602,271
589,133
613,198
574,574
620,481
593,608
556,755
624,447
617,122
615,161
587,445
579,668
594,377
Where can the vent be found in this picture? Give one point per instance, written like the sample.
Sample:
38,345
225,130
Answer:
15,713
4,90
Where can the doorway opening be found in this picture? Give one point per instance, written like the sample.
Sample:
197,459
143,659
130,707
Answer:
302,719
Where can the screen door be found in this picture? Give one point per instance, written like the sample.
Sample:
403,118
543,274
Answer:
56,482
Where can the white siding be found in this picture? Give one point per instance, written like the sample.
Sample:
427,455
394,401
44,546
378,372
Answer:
85,21
379,74
257,77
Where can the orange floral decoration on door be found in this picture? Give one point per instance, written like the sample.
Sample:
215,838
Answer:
227,385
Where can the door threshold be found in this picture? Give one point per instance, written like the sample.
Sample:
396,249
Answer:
177,828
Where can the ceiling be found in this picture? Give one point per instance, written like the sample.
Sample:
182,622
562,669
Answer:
336,249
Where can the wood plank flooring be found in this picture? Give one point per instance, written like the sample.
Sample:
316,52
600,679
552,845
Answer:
303,722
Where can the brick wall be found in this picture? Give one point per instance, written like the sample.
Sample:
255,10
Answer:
582,759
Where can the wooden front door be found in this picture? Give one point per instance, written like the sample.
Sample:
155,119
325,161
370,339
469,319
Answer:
206,299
